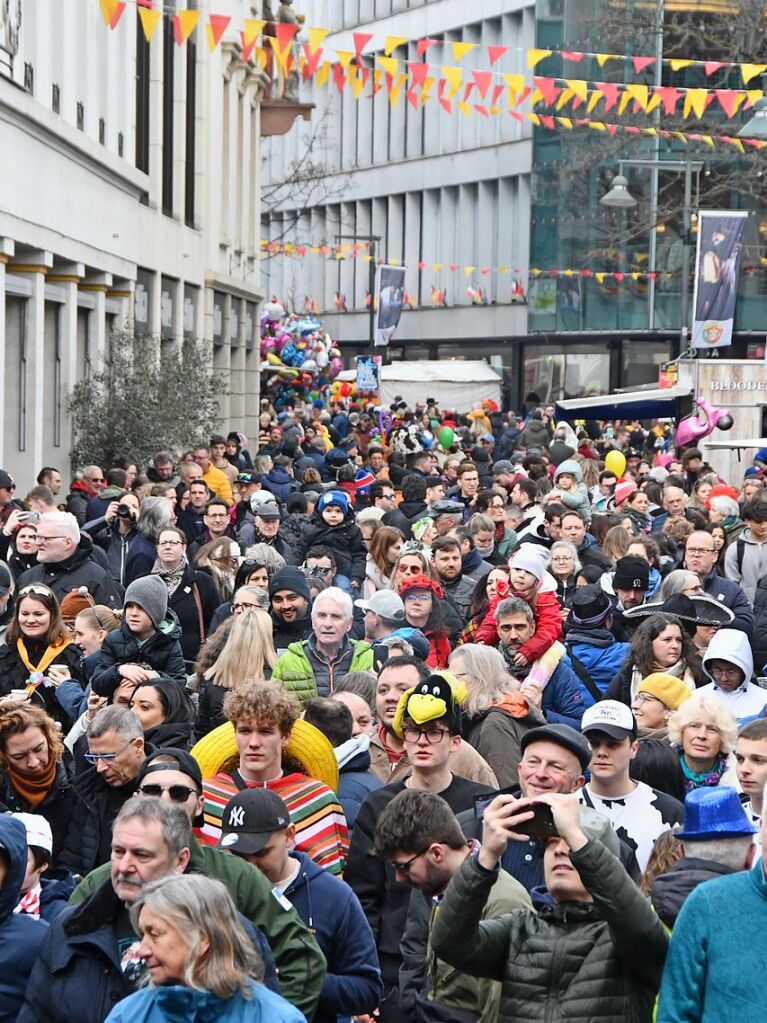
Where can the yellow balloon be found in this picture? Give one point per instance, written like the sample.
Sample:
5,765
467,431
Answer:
615,462
273,360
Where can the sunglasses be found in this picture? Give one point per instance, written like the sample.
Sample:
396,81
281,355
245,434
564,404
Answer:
41,591
177,793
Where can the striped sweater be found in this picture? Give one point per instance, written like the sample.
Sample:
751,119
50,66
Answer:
321,830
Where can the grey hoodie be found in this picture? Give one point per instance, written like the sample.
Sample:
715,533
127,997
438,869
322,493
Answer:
753,563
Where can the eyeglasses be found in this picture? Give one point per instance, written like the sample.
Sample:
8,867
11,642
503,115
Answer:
433,735
177,793
316,570
404,868
641,698
239,608
250,565
725,672
418,598
562,557
93,758
697,551
170,543
410,569
41,591
45,539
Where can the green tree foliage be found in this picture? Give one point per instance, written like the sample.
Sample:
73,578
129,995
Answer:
144,400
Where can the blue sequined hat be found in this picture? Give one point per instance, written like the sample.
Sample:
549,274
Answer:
714,812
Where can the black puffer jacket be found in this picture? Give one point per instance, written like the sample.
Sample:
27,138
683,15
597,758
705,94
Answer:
344,540
579,961
14,674
759,642
79,570
57,806
670,890
161,652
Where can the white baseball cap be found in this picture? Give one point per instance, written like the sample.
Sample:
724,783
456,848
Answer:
610,717
38,830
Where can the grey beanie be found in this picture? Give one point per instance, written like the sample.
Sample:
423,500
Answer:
151,595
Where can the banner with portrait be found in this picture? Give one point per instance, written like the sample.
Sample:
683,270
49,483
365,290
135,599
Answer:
717,272
391,293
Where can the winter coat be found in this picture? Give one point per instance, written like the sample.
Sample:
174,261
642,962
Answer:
20,935
344,540
496,735
670,890
142,555
184,605
115,545
713,969
589,553
430,990
332,911
753,562
733,596
279,481
600,654
161,652
78,498
169,1004
78,570
294,529
296,952
535,435
97,506
548,626
78,974
248,535
355,779
759,643
620,687
459,592
298,674
14,674
56,888
285,633
578,498
748,700
578,961
57,806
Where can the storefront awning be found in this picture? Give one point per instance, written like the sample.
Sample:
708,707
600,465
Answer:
662,404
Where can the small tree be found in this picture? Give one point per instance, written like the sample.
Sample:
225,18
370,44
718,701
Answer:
144,400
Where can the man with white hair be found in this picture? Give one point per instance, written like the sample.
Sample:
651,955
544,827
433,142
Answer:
674,503
81,491
310,668
65,562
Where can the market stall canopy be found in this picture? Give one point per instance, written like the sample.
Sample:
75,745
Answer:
671,402
455,383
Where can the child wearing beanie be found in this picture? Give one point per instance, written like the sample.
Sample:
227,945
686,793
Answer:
530,581
334,527
146,644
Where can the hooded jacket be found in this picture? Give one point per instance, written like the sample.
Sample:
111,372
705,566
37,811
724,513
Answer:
331,910
535,435
577,498
670,890
344,540
20,935
732,646
78,499
162,652
745,562
355,779
600,654
279,481
76,571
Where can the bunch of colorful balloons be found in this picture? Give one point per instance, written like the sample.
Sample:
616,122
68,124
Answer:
299,359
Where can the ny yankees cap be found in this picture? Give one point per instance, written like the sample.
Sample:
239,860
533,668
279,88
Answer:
250,818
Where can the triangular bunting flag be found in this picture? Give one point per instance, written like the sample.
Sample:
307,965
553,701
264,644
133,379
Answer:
389,64
361,39
345,58
536,56
729,100
669,97
602,58
566,96
580,88
623,102
640,93
495,53
423,45
640,63
749,71
708,140
312,60
454,77
184,23
392,42
610,92
284,35
678,63
751,97
574,55
547,121
711,66
515,83
483,81
358,82
565,122
461,49
481,110
594,98
217,25
418,72
111,12
317,37
463,107
548,88
249,35
149,21
695,101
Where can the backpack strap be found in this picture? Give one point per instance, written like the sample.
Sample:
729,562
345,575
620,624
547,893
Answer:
580,670
740,552
198,602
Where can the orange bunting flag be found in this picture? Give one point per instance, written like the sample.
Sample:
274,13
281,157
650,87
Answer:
392,42
461,49
534,57
495,53
214,30
749,71
184,23
149,21
111,12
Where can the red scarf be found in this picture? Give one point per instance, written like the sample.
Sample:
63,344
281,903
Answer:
394,755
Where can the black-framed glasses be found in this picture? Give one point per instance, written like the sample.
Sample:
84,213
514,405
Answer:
404,868
108,758
177,793
433,735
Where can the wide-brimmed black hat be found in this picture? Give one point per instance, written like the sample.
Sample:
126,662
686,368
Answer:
694,611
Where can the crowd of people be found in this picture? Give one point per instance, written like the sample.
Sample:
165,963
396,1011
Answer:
399,715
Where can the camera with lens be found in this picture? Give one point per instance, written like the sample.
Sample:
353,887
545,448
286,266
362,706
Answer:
125,511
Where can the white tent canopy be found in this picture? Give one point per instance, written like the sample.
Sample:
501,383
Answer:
456,384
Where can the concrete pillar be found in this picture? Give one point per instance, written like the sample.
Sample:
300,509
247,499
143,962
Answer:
98,285
67,278
6,252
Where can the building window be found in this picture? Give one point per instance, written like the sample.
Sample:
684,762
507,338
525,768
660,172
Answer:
191,131
81,117
29,78
56,98
142,100
120,144
168,59
102,130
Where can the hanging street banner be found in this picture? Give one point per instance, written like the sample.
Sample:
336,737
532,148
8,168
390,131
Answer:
717,272
367,374
391,293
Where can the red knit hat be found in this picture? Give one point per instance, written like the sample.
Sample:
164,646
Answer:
721,490
420,582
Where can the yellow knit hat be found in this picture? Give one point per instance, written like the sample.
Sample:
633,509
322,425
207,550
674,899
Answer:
666,688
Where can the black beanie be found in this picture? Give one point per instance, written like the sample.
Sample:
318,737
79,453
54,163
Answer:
289,578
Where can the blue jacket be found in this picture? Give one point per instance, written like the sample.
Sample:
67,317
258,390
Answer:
142,555
332,911
20,936
279,481
171,1004
562,700
733,596
600,654
705,981
355,779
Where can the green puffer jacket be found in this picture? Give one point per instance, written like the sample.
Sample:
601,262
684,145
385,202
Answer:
295,671
300,963
597,962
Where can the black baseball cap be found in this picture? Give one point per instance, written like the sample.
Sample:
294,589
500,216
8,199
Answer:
250,818
562,735
248,477
163,760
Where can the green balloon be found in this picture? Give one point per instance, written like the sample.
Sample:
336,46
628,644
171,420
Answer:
446,436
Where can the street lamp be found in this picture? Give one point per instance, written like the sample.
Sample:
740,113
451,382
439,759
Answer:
756,128
619,197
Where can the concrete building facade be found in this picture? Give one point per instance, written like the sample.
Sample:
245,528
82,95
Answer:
129,197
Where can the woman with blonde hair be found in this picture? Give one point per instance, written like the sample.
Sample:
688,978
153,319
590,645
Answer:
220,559
704,733
411,561
247,653
616,543
201,964
382,556
497,714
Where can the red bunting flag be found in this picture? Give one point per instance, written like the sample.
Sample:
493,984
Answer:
312,60
610,92
418,72
669,97
573,55
483,81
710,66
548,88
729,100
361,39
284,35
218,24
496,52
423,45
640,63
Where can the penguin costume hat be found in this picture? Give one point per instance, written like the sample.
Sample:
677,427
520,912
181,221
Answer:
437,698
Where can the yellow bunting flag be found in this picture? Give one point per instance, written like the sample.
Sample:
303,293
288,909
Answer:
463,107
453,76
345,58
515,83
564,122
389,64
640,93
579,88
215,28
600,277
653,102
753,95
564,97
396,89
436,267
357,85
469,270
461,49
678,63
708,140
184,24
594,98
252,30
695,100
392,42
533,118
323,73
149,21
735,142
110,11
623,102
317,37
749,71
534,57
602,58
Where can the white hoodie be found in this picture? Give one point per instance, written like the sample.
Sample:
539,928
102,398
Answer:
732,646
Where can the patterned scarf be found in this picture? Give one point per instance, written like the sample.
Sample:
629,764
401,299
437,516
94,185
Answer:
706,778
29,904
171,576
